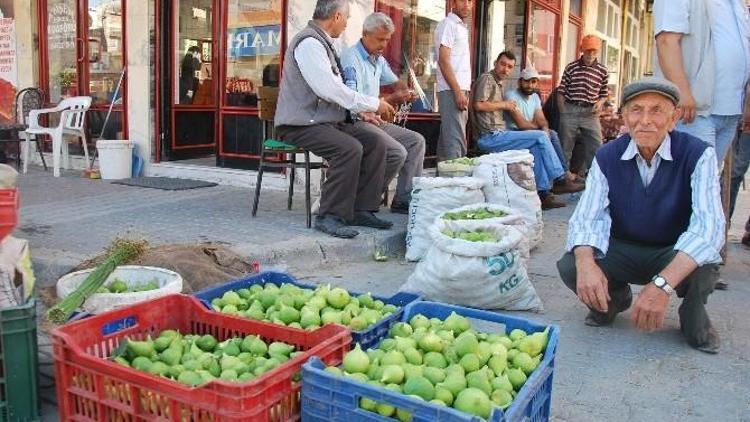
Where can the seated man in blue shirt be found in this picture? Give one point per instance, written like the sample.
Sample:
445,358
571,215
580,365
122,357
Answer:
529,116
488,122
651,215
365,71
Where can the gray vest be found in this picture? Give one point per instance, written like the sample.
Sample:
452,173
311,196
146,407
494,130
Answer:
298,105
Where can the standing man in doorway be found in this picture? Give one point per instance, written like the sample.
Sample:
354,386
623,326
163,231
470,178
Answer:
454,79
313,113
189,68
703,47
580,97
365,71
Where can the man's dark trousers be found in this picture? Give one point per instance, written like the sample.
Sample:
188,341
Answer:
356,161
631,263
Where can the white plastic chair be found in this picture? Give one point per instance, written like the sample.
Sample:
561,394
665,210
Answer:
72,117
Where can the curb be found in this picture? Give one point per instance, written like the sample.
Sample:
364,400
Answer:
51,264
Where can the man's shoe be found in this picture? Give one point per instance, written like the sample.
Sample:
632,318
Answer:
550,201
566,186
368,219
334,226
617,305
712,344
400,207
746,239
721,284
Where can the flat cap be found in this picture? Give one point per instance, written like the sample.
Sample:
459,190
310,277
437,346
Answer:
653,84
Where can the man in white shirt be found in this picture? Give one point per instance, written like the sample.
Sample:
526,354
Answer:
453,79
313,112
703,46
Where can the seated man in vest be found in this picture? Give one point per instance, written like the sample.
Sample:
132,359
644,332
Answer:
311,113
488,105
366,70
651,215
529,116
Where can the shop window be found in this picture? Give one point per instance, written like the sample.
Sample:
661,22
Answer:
104,49
413,40
192,49
540,51
576,7
571,47
253,50
61,49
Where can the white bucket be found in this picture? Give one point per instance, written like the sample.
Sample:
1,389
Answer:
115,158
133,275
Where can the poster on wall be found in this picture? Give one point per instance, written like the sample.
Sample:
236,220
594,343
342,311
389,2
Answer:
8,68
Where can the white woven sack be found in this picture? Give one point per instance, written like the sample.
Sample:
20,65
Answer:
133,275
509,180
486,275
512,218
431,196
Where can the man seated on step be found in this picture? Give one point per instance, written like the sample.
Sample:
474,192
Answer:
529,116
366,70
313,113
488,106
651,215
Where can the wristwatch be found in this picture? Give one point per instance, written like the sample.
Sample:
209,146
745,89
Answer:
661,283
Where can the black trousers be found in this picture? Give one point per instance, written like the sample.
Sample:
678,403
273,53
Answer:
629,263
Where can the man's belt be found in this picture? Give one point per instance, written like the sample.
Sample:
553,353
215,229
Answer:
580,103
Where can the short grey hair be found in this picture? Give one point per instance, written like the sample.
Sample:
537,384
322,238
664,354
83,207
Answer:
376,21
325,9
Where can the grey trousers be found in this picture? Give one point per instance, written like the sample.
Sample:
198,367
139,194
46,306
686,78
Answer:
452,141
404,156
631,263
579,124
356,159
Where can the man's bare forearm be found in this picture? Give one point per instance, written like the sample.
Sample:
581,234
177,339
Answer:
681,266
670,58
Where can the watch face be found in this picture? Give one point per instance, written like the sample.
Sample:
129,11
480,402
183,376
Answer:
659,281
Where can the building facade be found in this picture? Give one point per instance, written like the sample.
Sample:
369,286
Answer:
203,109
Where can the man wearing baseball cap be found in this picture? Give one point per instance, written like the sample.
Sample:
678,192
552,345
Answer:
650,215
529,116
580,97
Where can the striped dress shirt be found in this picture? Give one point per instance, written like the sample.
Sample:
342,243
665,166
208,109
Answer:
704,237
584,84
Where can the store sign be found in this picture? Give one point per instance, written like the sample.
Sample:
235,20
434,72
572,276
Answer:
61,27
254,41
8,68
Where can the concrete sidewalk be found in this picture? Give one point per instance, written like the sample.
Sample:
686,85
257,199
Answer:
612,374
69,219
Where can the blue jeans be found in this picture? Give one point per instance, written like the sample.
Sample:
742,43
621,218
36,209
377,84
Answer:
740,163
718,131
555,140
547,165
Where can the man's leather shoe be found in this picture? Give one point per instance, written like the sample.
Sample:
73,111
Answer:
721,284
617,305
712,344
334,226
746,239
550,201
368,219
566,186
400,207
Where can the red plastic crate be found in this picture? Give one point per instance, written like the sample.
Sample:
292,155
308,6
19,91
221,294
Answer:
8,211
90,388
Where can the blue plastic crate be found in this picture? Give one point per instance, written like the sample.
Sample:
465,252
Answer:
327,397
366,338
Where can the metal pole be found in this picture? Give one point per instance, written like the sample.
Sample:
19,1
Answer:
109,113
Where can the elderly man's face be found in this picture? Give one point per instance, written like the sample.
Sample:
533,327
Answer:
376,41
649,117
589,55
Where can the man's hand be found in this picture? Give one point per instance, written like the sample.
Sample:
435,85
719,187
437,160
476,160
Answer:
687,106
385,110
650,308
401,96
371,117
591,285
462,101
509,105
597,107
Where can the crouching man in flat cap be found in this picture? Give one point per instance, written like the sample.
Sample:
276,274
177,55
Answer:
650,215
